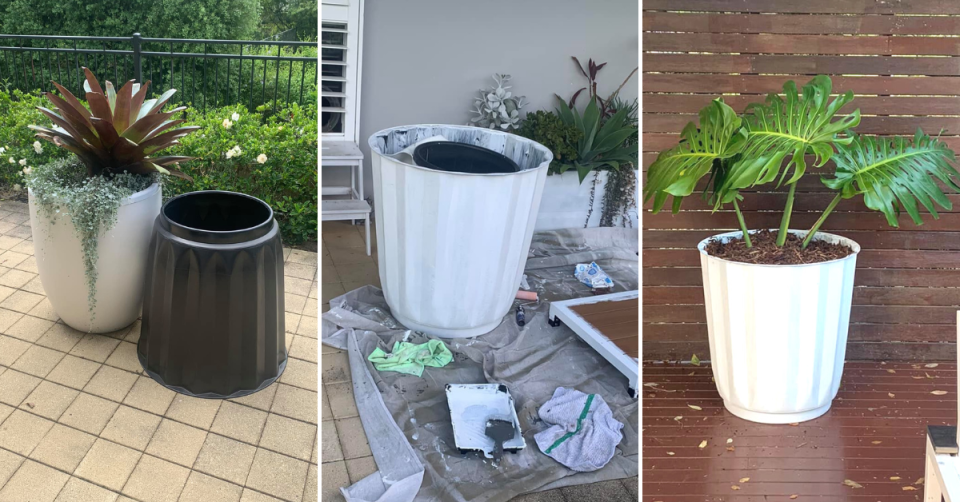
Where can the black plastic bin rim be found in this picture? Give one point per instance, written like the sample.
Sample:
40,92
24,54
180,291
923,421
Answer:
538,158
204,236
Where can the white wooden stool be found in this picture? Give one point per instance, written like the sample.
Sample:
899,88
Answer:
345,154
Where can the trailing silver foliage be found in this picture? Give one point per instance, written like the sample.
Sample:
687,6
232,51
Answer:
62,188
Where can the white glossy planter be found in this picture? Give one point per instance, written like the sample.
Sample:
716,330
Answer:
452,246
778,333
121,265
566,201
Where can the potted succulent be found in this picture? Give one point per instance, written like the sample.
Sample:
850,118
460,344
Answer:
92,216
593,177
778,301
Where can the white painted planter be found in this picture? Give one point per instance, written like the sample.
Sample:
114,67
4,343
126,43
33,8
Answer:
121,265
566,201
452,246
778,333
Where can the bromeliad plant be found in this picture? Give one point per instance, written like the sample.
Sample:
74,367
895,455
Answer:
768,144
115,140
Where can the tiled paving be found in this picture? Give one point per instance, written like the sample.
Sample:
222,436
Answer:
80,422
345,453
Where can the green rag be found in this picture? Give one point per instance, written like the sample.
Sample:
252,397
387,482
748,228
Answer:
410,358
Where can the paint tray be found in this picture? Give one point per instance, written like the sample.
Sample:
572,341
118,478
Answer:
471,405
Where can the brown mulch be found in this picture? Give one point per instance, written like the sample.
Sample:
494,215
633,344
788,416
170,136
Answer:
766,252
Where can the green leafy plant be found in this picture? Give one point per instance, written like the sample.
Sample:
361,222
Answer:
119,132
546,128
603,144
768,144
496,107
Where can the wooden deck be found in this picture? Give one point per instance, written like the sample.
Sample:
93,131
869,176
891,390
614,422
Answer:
873,436
617,320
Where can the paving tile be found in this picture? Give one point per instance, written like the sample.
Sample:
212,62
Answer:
111,383
9,463
314,290
8,318
63,448
133,334
365,273
334,475
60,337
12,258
149,396
49,400
239,422
95,347
330,443
301,256
310,489
290,322
252,496
308,327
278,475
78,490
261,400
311,308
203,488
299,270
33,482
38,361
5,411
25,246
325,412
335,368
156,480
225,458
73,372
7,242
342,401
89,413
330,291
21,432
294,403
193,411
353,439
290,285
11,348
35,285
17,278
293,303
177,442
288,436
359,468
29,328
44,309
348,256
316,451
15,386
20,301
300,373
125,358
328,274
607,491
131,427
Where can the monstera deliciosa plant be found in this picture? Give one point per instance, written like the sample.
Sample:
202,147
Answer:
769,143
116,137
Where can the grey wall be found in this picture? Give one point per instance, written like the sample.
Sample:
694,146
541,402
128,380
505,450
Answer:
425,60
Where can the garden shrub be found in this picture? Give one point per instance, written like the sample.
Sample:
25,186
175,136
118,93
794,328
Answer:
286,180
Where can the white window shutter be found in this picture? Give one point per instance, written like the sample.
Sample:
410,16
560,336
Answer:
341,40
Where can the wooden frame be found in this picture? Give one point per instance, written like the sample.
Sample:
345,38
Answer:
562,312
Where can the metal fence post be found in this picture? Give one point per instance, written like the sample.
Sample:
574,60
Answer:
137,69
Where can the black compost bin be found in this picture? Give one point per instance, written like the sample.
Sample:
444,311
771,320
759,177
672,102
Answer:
456,157
213,321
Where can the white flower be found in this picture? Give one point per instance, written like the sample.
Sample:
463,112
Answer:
262,158
227,124
2,149
235,116
36,147
17,187
27,170
280,128
23,162
12,161
233,152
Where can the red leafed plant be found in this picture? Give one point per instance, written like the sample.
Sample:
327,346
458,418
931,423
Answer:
120,130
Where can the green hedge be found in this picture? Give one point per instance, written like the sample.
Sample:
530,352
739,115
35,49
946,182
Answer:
287,180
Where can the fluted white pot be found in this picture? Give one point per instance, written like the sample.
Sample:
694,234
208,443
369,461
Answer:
567,203
121,264
452,246
778,333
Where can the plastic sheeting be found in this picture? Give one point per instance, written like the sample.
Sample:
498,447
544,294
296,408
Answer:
407,420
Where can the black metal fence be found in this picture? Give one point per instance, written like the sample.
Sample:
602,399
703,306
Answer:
205,72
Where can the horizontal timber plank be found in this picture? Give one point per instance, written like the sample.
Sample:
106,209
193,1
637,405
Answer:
674,123
878,277
715,85
886,314
884,105
657,142
705,220
696,22
893,239
806,7
803,66
859,332
868,258
770,43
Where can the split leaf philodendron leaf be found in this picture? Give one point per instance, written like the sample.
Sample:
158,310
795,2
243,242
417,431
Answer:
787,128
677,171
895,173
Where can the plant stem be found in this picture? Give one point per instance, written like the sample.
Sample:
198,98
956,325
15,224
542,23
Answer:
823,217
743,226
787,211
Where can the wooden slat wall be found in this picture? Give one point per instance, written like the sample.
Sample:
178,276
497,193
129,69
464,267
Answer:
902,59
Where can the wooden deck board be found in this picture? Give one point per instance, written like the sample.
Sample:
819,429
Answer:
868,437
617,320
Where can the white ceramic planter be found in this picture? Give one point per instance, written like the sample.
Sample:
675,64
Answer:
566,201
121,265
452,246
778,333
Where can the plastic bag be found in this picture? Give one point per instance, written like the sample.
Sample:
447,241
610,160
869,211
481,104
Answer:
592,275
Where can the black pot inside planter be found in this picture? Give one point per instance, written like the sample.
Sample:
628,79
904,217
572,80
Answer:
213,316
